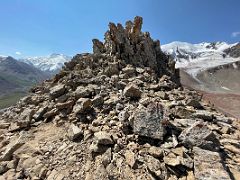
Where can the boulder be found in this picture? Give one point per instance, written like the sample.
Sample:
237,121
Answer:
129,70
98,101
112,69
148,122
198,135
132,91
194,103
75,133
82,105
40,112
57,91
123,116
82,92
23,120
156,152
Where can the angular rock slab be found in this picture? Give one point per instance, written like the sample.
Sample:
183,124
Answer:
148,122
198,135
208,165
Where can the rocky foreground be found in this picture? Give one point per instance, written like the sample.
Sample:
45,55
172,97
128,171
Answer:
119,113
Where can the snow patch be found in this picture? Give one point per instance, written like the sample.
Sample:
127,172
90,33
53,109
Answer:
226,88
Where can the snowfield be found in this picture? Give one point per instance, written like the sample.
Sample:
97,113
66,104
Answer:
195,58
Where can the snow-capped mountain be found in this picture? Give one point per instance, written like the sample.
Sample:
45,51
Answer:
195,58
51,63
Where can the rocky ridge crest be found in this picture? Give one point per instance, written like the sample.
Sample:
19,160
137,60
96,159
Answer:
119,113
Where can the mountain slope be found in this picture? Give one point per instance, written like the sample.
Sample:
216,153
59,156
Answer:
212,69
118,113
18,76
51,64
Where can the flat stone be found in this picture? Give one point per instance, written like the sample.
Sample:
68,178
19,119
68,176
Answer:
148,122
233,149
162,95
198,135
156,152
203,114
184,122
65,105
208,165
50,113
182,112
129,70
172,160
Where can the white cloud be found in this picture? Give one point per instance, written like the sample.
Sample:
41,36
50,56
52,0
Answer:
236,34
18,53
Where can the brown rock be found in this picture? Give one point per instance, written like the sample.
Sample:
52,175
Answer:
132,91
7,155
82,105
103,138
130,158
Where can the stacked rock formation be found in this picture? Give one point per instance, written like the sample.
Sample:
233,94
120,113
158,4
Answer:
119,113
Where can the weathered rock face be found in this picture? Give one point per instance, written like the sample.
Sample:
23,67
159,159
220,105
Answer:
119,113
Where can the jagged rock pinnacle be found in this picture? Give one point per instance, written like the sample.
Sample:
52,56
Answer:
132,46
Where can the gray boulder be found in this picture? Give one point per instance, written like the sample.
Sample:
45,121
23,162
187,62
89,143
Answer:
198,135
149,121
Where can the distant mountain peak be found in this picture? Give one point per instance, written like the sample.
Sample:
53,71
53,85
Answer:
195,58
51,63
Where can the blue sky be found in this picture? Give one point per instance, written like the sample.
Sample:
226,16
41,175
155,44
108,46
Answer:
41,27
